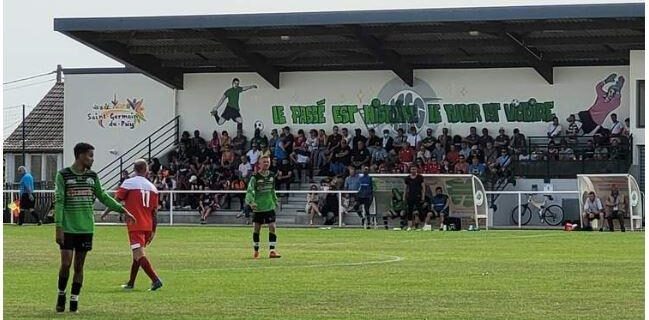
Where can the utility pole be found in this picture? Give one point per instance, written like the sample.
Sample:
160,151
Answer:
23,124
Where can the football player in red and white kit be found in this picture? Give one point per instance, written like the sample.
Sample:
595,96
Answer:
141,198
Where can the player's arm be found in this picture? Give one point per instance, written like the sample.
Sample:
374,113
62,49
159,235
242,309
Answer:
109,202
154,217
246,88
447,203
250,193
59,203
120,195
423,190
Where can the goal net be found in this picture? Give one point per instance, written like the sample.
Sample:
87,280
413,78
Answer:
632,198
466,194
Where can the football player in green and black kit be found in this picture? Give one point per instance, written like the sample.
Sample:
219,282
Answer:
76,189
261,197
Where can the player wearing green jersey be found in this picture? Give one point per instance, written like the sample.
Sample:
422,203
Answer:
261,197
76,189
232,111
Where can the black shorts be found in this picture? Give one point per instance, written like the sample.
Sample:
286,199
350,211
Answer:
264,217
411,207
25,202
615,214
77,241
230,113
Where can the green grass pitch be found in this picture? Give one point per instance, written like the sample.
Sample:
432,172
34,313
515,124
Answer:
338,274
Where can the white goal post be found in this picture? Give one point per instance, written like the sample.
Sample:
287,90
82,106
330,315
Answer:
466,193
601,185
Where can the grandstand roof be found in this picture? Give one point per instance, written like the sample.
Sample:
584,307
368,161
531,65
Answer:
43,126
541,37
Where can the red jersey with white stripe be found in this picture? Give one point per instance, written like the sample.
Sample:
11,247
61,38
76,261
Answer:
141,198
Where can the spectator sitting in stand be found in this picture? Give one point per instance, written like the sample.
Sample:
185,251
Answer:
225,140
399,142
259,138
274,138
617,127
465,150
380,154
573,130
477,168
197,140
334,141
461,167
239,143
601,152
518,143
340,158
300,158
227,157
554,128
452,156
616,151
265,151
346,136
484,138
429,140
358,136
566,153
431,166
387,142
413,138
553,151
491,154
284,176
472,138
423,153
245,169
502,163
502,140
406,157
289,140
253,154
438,153
206,205
215,143
445,138
361,156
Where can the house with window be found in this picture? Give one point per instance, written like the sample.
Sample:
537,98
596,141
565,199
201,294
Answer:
43,142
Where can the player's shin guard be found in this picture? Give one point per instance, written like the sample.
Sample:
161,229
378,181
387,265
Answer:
63,283
60,299
272,240
74,296
255,241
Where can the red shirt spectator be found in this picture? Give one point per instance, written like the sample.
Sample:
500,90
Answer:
406,155
432,167
452,156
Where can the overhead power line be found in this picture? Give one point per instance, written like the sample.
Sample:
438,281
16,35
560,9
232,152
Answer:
31,77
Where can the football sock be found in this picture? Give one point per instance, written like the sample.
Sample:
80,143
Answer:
134,269
63,283
255,240
146,266
385,222
272,240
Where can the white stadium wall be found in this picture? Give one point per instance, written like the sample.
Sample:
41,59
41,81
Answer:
113,112
452,98
456,99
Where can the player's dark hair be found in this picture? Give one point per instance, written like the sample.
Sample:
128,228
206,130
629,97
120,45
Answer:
235,79
438,188
82,148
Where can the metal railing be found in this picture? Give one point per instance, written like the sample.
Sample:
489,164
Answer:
156,144
49,195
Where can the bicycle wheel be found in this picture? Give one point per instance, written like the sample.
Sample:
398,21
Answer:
553,215
526,215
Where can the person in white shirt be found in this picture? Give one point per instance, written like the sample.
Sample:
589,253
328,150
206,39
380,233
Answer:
253,154
617,127
554,129
244,168
593,209
413,138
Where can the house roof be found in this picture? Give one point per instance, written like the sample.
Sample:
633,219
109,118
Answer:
541,37
43,126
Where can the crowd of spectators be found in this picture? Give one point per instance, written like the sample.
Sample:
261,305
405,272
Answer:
225,162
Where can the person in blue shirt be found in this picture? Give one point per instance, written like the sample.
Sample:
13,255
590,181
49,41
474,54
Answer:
365,195
26,196
477,168
440,207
